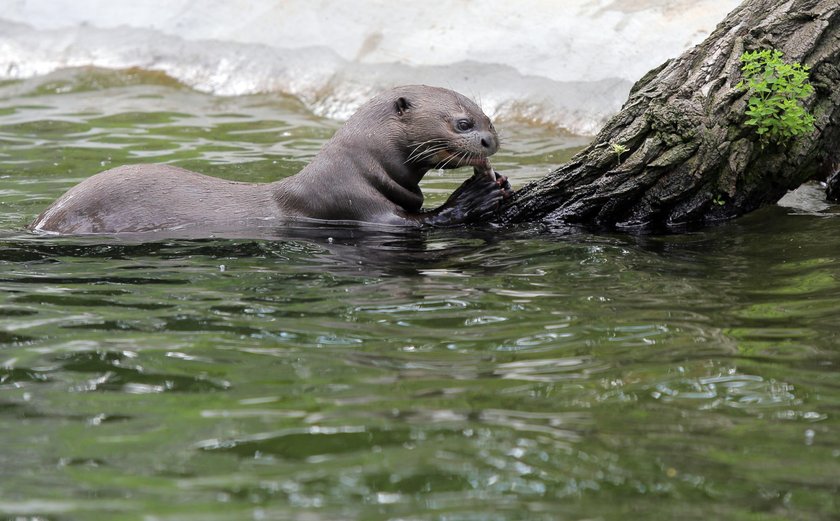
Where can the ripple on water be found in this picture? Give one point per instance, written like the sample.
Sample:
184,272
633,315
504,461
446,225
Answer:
742,391
551,370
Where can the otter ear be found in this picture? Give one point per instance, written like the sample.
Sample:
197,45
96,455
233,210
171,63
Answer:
402,105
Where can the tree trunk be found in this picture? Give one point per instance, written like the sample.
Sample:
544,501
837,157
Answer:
690,158
832,189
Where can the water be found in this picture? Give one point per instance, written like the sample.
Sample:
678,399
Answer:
335,373
568,63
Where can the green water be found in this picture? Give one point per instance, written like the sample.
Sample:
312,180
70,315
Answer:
330,374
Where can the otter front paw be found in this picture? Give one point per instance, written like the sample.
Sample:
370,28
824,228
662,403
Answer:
476,200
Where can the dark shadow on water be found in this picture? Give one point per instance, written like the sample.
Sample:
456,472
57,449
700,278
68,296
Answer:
117,373
114,372
365,250
303,445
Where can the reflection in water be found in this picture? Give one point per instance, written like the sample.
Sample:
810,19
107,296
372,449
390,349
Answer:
368,249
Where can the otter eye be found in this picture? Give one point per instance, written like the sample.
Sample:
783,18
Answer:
464,125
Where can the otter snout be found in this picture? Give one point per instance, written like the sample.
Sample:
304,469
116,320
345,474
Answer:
489,142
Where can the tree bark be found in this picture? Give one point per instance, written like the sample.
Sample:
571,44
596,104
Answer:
690,159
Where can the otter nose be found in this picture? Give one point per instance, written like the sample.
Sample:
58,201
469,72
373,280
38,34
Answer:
489,142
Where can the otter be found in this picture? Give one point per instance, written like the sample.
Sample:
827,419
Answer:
368,172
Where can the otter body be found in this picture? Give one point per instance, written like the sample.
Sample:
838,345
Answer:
369,171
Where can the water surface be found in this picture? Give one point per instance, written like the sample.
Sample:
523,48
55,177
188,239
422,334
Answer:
338,373
570,63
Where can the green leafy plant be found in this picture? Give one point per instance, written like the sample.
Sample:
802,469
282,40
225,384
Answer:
618,149
777,90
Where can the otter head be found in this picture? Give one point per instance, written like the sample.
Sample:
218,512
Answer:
388,145
441,128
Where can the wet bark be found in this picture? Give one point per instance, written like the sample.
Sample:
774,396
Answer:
690,158
832,190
